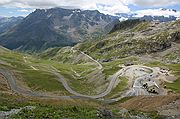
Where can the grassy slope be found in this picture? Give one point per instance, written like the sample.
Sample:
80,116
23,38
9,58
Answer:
40,80
34,78
48,109
77,83
112,67
58,112
58,109
51,52
119,88
176,71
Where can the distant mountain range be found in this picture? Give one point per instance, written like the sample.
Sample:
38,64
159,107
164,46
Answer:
162,18
123,16
46,28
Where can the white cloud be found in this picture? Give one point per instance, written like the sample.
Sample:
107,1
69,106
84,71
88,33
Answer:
104,6
152,3
109,7
4,1
157,12
23,10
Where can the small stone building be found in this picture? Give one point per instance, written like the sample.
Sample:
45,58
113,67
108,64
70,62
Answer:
151,87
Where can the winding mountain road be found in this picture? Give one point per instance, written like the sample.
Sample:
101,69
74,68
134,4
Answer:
69,89
12,82
15,88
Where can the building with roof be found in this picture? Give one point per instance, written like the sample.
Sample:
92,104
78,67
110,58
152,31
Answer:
151,87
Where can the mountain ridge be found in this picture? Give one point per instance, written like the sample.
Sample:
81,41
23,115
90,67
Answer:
59,27
161,15
53,27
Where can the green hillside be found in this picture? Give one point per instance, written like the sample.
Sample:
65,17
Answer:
65,82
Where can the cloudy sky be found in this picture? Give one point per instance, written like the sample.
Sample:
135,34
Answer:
149,7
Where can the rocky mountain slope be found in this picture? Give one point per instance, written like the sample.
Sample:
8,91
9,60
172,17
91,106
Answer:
46,28
138,38
128,38
8,22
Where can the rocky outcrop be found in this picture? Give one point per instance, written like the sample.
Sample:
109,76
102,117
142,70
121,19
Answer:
126,24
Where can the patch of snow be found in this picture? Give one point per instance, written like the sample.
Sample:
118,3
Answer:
177,18
67,17
49,15
76,11
123,19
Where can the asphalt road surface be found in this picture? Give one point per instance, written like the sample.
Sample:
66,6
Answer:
136,90
14,87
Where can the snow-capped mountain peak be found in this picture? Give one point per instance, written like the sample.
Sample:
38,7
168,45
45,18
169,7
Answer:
160,14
